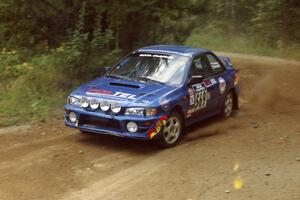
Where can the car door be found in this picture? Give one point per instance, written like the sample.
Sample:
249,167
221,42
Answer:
220,80
200,93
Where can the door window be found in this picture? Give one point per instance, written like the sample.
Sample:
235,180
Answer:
201,67
216,66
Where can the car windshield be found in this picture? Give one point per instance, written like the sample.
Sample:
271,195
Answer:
159,68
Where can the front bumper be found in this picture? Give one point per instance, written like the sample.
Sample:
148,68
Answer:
109,124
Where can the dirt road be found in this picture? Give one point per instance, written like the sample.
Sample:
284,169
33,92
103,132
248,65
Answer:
254,155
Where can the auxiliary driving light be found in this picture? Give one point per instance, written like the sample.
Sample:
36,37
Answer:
94,104
72,117
104,105
132,127
85,102
115,107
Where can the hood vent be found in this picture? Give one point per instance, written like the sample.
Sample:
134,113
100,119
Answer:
124,85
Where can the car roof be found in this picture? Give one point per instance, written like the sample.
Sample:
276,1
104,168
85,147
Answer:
173,49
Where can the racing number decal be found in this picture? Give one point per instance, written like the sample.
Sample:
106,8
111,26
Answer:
199,96
201,99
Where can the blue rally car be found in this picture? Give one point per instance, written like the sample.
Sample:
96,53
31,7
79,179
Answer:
154,92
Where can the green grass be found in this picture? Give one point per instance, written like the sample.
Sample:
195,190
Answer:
33,95
34,88
238,43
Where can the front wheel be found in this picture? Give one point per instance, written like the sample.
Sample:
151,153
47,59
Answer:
172,131
228,105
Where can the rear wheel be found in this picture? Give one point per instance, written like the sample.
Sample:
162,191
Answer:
228,105
172,131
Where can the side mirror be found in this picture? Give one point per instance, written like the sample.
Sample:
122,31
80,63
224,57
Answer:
196,79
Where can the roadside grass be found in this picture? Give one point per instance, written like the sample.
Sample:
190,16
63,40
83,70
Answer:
34,88
239,43
32,93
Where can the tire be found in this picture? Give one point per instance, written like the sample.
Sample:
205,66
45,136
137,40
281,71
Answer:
172,131
227,108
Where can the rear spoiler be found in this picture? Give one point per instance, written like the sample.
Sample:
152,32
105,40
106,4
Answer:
226,61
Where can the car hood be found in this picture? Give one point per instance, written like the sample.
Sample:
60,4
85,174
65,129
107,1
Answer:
125,91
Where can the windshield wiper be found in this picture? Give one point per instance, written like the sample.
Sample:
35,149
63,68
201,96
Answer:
118,77
142,78
115,76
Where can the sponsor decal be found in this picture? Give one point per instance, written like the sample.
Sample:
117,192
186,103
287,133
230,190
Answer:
156,56
192,96
190,112
215,65
159,124
99,92
124,95
145,102
198,87
209,82
145,55
222,85
164,51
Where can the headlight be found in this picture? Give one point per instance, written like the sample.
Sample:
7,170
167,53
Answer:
134,111
73,100
94,104
115,107
84,102
104,105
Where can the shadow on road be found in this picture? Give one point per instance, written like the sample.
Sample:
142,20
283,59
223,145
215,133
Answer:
204,129
119,144
200,130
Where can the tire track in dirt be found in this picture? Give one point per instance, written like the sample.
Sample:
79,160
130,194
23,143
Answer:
109,187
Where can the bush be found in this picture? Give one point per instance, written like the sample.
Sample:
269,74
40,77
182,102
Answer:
35,90
30,95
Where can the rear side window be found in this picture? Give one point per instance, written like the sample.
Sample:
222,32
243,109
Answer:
215,65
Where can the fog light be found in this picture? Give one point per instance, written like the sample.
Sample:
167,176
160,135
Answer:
85,102
94,103
73,117
104,105
132,127
115,107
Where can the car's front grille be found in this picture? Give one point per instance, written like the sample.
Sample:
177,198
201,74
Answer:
97,122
